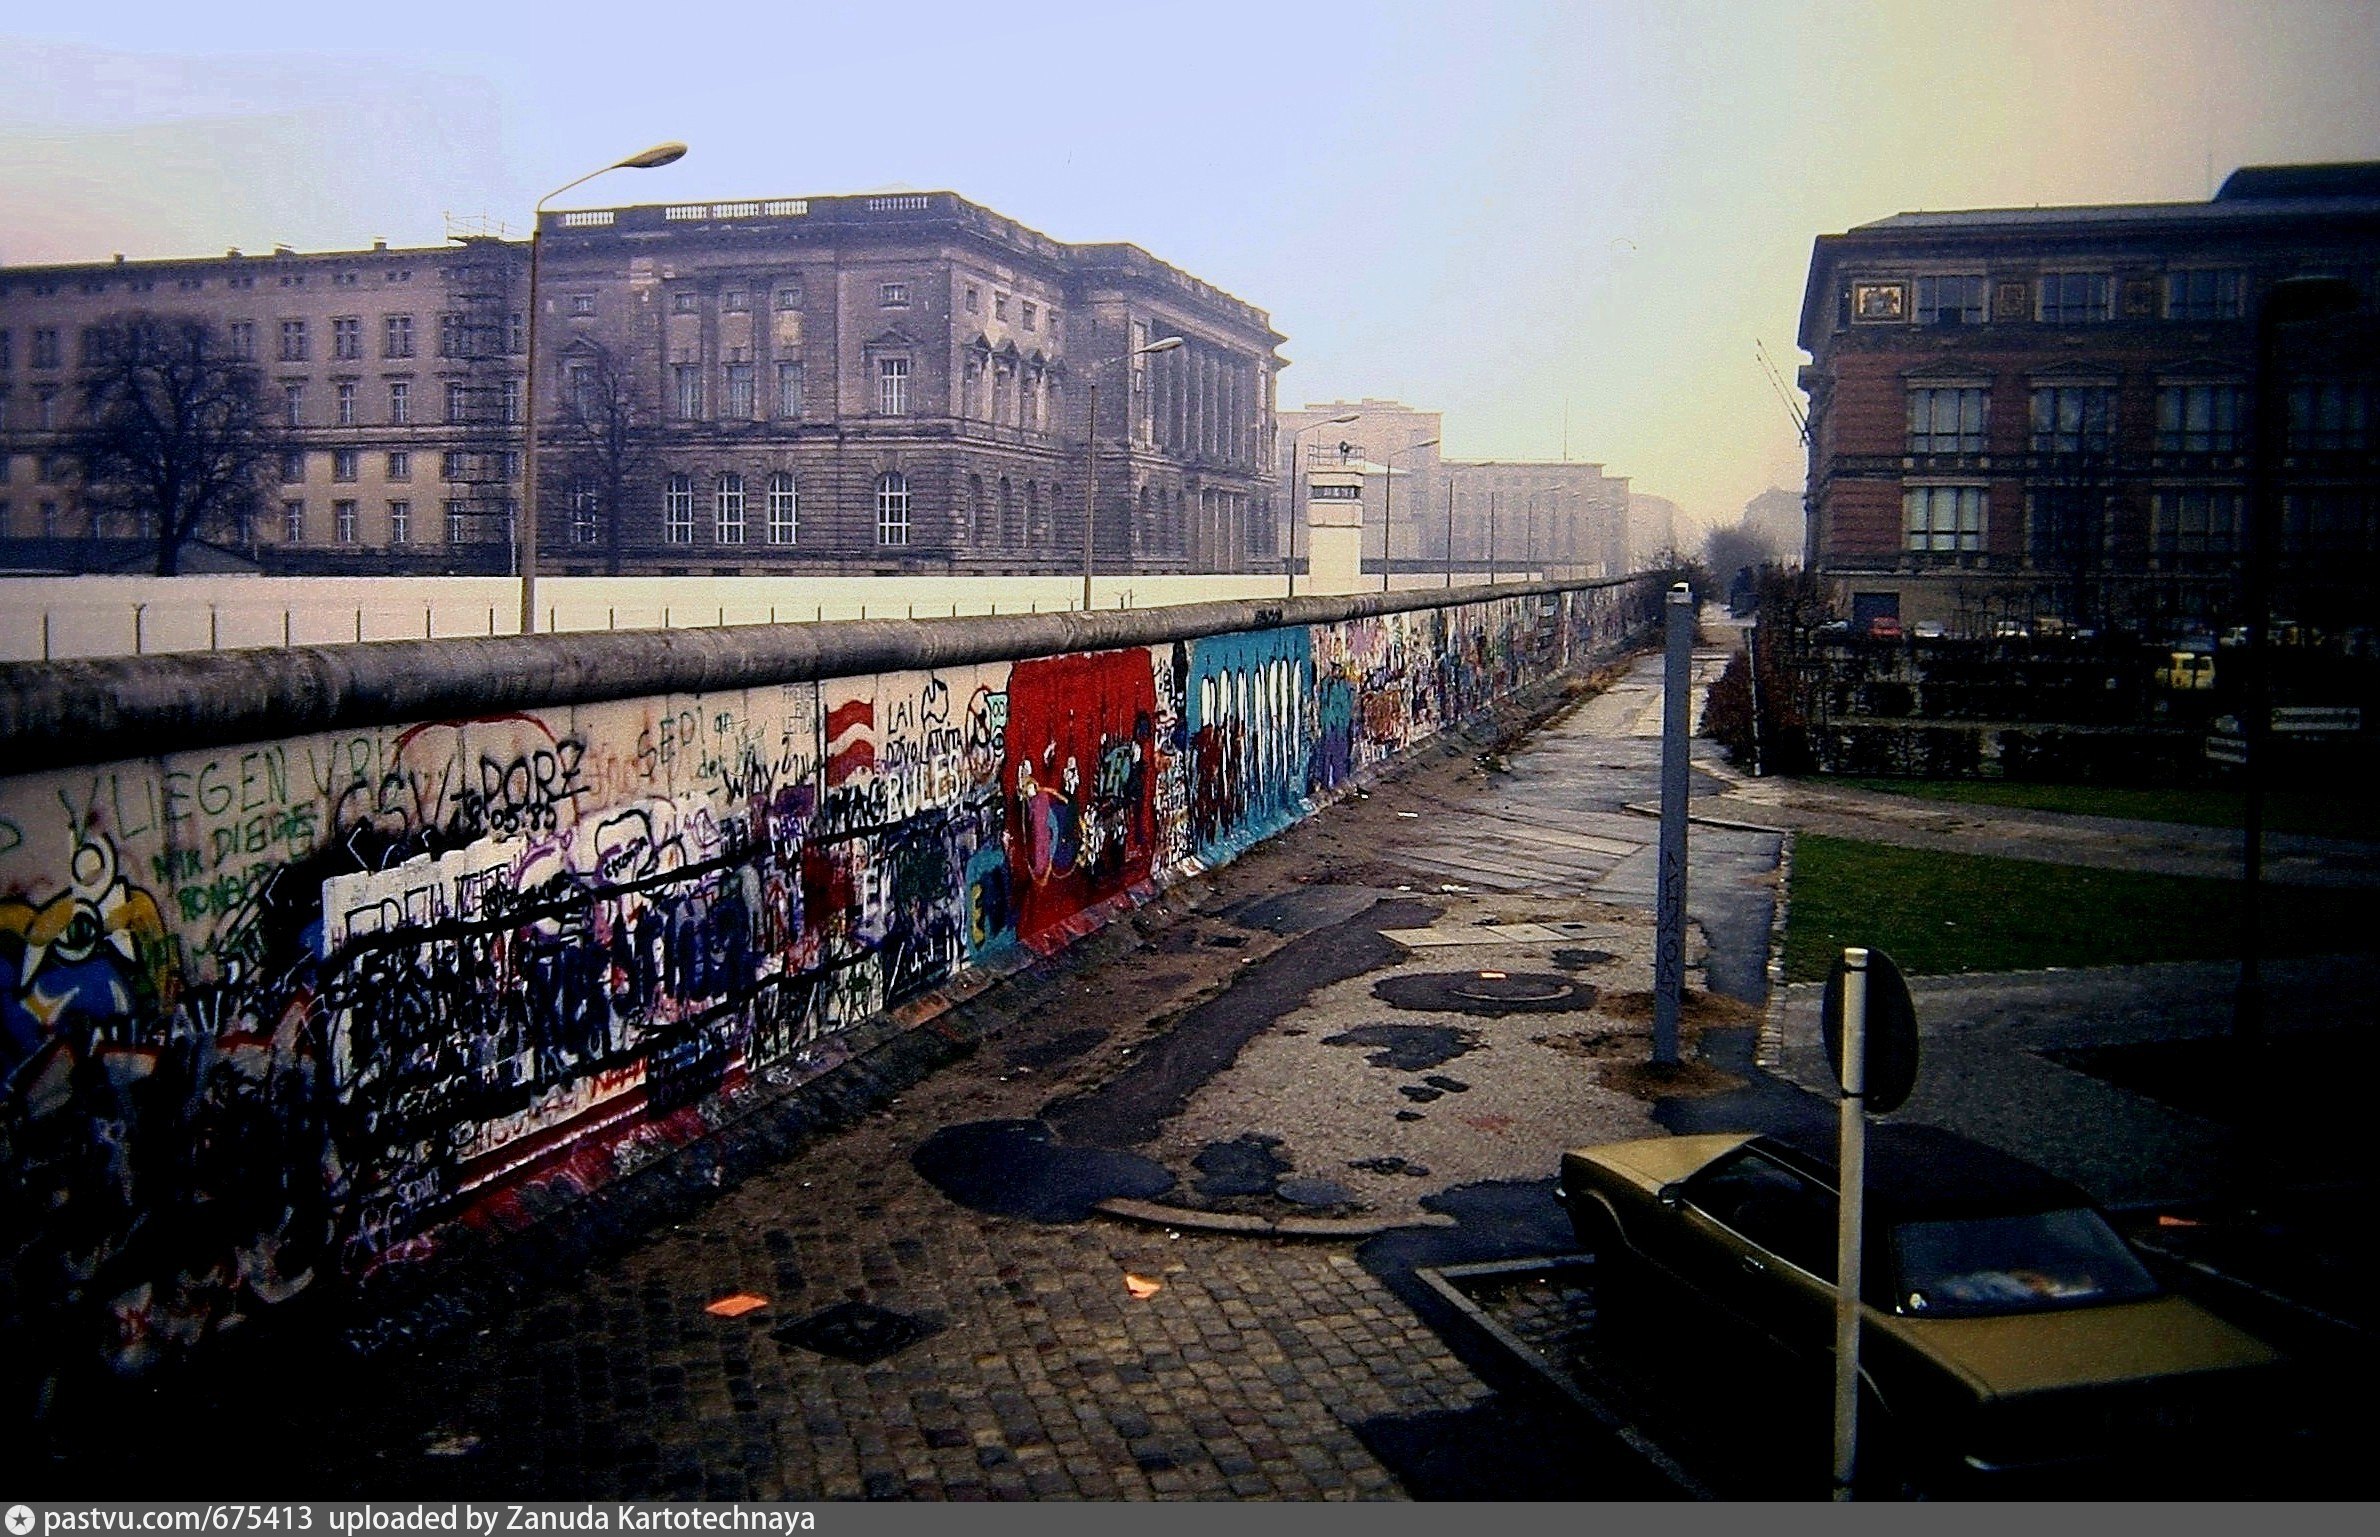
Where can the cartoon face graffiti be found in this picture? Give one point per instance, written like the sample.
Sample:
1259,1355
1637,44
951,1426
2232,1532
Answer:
93,954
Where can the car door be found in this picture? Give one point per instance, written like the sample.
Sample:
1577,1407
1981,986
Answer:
1759,1237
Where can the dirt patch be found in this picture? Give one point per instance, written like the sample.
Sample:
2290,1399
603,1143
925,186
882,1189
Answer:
1695,1007
1622,1057
1692,1079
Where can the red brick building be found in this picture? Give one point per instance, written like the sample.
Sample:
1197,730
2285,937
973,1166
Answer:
2018,413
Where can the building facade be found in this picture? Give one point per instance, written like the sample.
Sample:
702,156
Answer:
1476,517
2018,413
879,383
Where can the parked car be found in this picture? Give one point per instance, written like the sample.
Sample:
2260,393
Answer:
2005,1326
1929,629
1884,627
2188,668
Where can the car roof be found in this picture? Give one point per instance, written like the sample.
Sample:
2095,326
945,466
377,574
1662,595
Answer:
1918,1173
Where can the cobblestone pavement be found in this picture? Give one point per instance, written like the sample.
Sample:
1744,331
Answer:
1099,1358
1044,1377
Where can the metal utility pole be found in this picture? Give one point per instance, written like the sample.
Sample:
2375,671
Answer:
1669,903
1850,1193
524,529
1297,508
1450,533
1091,448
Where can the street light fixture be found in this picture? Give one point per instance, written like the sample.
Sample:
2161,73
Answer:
1388,489
524,535
1529,542
1297,514
1091,447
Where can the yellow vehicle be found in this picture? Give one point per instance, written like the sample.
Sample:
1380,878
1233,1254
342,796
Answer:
2187,670
2007,1330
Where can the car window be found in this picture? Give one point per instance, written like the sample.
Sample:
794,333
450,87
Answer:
1772,1206
1980,1266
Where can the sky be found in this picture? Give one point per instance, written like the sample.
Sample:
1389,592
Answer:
1557,223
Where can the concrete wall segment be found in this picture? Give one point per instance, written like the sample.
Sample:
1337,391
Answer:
54,714
478,926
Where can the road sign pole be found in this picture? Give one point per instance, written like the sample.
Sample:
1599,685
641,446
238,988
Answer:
1848,1204
1669,902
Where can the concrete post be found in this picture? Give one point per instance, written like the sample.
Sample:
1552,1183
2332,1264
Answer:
1669,905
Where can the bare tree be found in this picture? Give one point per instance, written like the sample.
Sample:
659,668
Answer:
176,432
606,430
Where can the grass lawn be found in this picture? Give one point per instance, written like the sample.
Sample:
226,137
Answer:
1935,913
2327,815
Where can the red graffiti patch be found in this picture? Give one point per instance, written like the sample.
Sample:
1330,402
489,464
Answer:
1078,782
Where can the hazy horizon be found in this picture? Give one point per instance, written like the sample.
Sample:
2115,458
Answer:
1503,211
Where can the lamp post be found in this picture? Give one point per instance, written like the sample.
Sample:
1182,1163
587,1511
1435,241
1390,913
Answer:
1297,513
524,535
1491,536
1388,489
1529,542
1091,447
1450,533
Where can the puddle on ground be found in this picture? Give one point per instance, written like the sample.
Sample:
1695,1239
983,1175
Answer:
1018,1169
1580,960
1246,1165
1314,1192
1407,1048
1050,1053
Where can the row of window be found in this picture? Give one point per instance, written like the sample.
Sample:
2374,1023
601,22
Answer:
2195,418
2081,297
460,335
192,284
738,395
465,404
2183,521
781,504
453,465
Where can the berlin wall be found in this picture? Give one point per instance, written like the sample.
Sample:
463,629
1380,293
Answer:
308,957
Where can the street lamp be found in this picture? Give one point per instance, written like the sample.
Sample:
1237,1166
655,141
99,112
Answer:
525,535
1388,490
1297,514
1529,542
1091,447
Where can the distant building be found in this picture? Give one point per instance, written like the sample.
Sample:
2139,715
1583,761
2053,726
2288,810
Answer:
1653,530
1560,518
1774,521
879,383
2049,411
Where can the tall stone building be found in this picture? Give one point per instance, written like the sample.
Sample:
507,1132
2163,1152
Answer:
397,373
896,382
1505,516
2051,411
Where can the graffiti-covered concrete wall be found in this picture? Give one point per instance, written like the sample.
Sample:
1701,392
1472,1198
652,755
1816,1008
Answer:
306,958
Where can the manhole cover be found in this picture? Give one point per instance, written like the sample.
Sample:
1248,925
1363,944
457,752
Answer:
859,1332
1487,993
1497,987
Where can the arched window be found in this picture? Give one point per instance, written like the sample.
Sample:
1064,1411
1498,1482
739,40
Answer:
727,523
1010,533
977,533
1037,530
892,508
784,509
